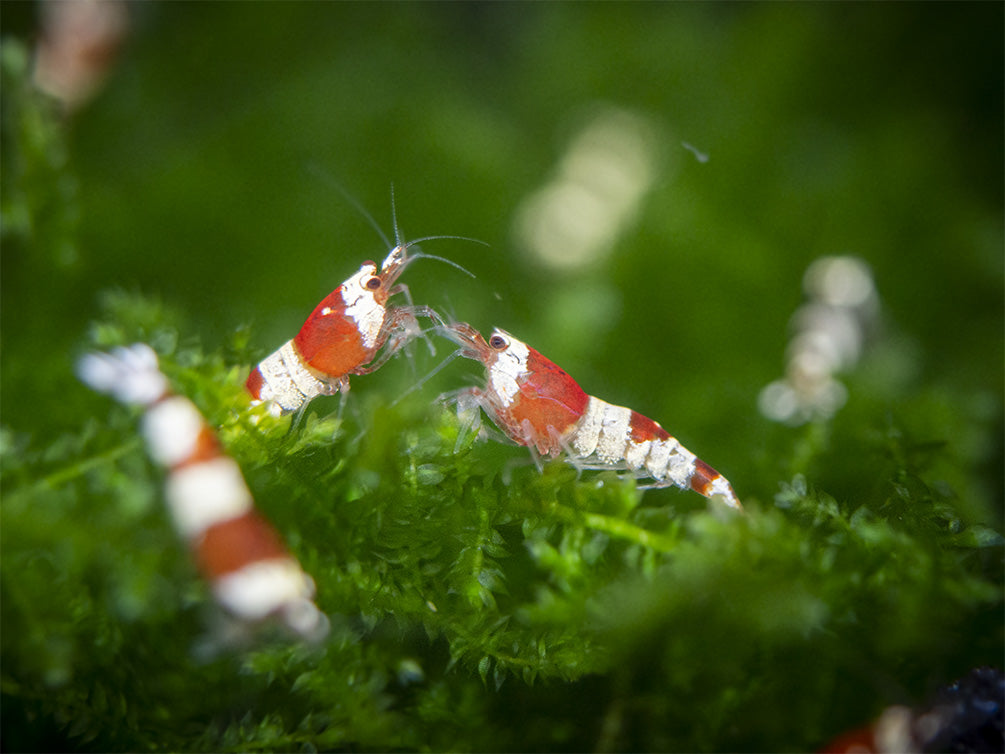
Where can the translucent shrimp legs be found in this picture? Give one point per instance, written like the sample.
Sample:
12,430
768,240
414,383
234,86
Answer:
536,404
250,571
344,335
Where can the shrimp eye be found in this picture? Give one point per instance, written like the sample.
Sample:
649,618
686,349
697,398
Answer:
498,342
373,284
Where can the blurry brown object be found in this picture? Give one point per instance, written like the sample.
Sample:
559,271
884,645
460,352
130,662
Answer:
79,41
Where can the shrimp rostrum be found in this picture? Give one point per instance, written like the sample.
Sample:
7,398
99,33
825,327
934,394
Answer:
538,405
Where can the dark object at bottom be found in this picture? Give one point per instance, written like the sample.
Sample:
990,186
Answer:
965,717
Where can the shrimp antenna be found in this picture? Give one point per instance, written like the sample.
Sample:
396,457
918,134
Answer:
394,218
432,373
424,255
451,262
327,178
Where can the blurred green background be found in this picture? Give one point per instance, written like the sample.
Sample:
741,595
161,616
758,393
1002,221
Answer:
873,131
759,137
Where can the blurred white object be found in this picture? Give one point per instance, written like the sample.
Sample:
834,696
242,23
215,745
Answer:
606,170
79,42
831,331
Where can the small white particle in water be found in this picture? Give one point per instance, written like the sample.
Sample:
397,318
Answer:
698,155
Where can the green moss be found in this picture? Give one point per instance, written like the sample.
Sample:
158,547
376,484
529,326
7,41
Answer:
447,584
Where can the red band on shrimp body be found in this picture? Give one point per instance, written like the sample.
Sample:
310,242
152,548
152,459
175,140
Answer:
550,382
254,384
702,477
231,545
643,428
548,397
330,342
206,448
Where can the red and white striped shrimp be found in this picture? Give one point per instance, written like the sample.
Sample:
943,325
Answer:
538,405
251,573
344,335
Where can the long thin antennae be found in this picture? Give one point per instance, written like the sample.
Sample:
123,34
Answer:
394,218
421,255
412,243
327,178
436,370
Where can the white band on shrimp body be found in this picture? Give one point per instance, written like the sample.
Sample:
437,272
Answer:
656,462
602,431
721,487
286,381
670,461
205,494
361,306
613,434
171,429
263,587
636,454
584,440
130,375
510,365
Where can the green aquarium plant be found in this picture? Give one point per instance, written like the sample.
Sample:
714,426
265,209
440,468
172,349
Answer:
464,590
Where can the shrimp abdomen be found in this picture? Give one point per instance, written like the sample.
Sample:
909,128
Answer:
283,379
616,436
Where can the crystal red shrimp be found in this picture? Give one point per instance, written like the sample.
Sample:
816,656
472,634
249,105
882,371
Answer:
343,336
538,405
242,557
